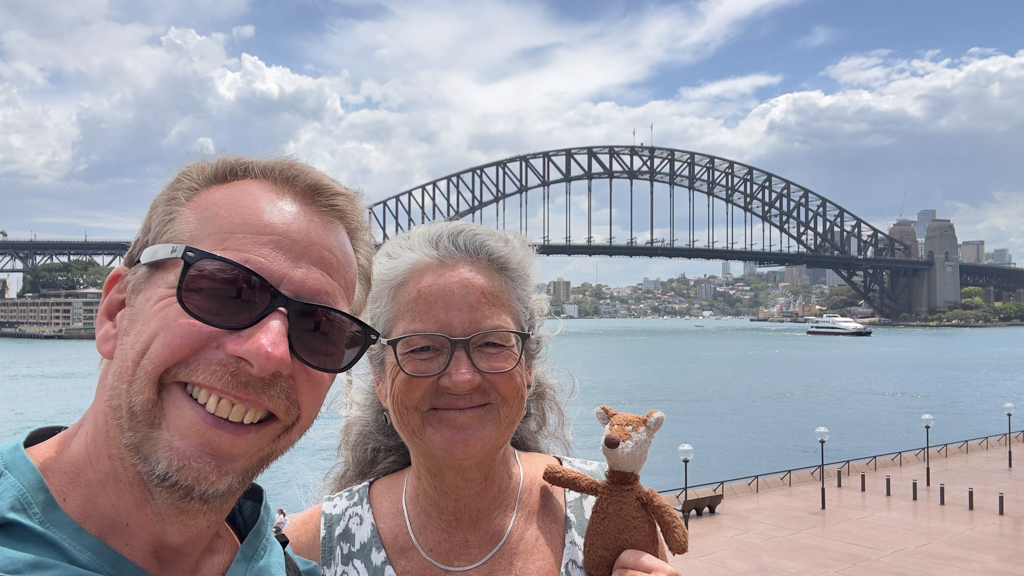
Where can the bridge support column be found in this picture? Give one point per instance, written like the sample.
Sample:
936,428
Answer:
988,294
910,286
942,249
920,291
1019,295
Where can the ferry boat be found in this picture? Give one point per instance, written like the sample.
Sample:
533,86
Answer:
836,325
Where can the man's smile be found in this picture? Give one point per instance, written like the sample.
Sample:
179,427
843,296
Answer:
225,407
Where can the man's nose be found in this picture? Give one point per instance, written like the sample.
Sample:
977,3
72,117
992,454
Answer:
263,346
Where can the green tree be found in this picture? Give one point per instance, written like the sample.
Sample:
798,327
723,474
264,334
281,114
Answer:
840,297
971,292
72,275
972,303
1009,311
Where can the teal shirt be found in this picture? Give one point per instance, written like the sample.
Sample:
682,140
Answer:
38,538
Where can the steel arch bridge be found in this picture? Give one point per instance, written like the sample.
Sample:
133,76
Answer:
665,203
21,256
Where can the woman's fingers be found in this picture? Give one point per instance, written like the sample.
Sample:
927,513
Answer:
637,563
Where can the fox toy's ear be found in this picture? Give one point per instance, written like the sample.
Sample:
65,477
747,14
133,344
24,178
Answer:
653,420
604,414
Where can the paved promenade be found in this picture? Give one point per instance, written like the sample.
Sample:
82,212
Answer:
783,530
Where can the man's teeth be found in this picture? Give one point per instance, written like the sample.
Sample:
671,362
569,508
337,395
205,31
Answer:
225,407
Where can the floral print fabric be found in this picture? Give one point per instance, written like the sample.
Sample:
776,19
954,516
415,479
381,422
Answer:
351,546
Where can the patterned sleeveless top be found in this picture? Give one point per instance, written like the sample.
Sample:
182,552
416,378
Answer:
350,544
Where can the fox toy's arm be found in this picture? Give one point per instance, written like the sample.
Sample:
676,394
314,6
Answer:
571,479
672,528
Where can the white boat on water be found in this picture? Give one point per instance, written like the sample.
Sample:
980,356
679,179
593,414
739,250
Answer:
836,325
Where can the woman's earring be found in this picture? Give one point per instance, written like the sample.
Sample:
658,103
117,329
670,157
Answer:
387,419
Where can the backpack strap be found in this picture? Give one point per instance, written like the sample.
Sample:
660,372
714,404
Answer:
290,567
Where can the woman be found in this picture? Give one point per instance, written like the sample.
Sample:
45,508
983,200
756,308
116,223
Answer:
281,521
442,457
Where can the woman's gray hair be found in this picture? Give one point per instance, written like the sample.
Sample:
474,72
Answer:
370,447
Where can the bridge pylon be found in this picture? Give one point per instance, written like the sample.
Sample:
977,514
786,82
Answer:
939,288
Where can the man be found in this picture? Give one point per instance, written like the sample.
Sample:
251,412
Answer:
220,338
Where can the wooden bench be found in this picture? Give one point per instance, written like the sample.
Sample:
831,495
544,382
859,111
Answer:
699,504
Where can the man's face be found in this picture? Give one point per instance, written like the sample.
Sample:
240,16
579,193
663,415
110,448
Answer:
166,367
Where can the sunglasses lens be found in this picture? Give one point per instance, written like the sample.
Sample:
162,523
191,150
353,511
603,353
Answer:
224,295
324,338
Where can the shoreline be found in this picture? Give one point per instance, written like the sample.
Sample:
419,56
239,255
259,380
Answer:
48,335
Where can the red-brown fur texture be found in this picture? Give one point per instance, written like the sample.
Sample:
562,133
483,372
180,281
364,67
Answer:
626,515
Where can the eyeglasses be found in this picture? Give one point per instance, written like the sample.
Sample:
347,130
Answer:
224,294
491,351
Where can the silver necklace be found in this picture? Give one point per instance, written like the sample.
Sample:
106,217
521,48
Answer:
508,531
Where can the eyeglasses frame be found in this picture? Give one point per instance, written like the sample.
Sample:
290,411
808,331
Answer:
453,343
190,255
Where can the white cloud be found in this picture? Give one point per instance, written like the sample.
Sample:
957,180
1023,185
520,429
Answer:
204,146
730,88
95,219
997,221
498,56
818,36
101,107
243,32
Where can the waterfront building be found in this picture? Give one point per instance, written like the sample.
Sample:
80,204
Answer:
797,275
832,279
1002,257
706,290
816,274
571,310
560,290
5,287
652,284
54,311
749,268
972,252
924,218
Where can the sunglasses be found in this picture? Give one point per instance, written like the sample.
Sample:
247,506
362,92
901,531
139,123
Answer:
224,294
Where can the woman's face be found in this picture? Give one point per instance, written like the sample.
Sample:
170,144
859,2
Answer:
461,414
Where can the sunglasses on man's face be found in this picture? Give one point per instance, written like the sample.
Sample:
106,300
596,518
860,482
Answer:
224,294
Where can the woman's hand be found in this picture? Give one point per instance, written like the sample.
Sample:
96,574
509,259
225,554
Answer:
637,563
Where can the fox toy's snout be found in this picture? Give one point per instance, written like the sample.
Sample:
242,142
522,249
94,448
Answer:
611,441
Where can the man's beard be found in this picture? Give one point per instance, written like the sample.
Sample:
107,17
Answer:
188,480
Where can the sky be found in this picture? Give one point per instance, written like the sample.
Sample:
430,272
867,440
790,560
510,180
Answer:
883,107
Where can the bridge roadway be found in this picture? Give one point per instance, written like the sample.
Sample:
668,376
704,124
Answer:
18,256
763,258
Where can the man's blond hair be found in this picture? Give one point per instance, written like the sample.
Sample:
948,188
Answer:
305,184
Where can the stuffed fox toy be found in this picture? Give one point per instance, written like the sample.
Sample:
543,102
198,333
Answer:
626,515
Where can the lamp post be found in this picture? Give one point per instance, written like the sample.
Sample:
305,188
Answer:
927,420
822,433
1008,408
685,454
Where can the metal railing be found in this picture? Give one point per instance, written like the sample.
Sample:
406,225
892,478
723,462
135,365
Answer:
895,458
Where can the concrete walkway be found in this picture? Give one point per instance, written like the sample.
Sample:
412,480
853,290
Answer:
784,531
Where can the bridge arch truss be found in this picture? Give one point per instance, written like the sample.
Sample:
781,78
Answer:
660,202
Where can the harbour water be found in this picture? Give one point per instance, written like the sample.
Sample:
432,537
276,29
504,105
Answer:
746,395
